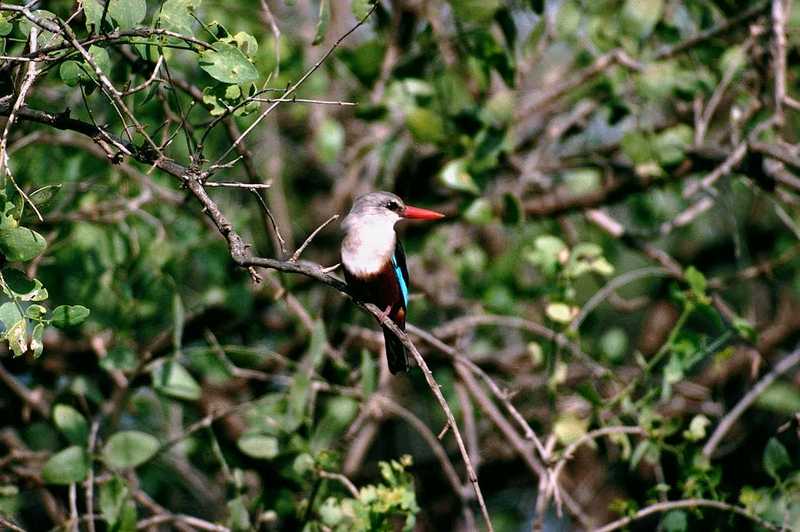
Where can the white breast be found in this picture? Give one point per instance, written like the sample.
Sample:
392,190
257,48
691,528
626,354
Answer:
368,247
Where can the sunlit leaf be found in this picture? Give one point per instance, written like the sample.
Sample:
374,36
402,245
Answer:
21,243
455,176
71,423
172,379
127,13
130,448
66,467
259,446
228,64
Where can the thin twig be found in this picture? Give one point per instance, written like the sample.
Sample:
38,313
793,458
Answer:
669,51
249,186
744,403
609,288
89,483
528,432
276,33
437,393
429,437
586,438
779,13
297,84
343,480
296,254
30,79
304,100
686,503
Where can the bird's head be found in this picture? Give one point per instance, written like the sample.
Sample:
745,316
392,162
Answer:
385,208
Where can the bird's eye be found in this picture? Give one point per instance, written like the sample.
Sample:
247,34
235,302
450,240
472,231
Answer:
393,206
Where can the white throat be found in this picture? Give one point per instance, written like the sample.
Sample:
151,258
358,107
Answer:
368,244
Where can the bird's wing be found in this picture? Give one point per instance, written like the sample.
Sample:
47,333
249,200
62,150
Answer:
400,270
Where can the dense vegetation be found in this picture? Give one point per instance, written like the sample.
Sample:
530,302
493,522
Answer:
605,326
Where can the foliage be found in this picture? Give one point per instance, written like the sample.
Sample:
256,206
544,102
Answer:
618,265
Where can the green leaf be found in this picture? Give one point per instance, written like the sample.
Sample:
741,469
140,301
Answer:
316,348
697,284
323,22
66,467
179,319
329,141
776,458
21,244
228,64
65,316
259,446
454,176
35,312
361,8
675,521
479,212
93,11
21,288
734,59
127,13
130,448
671,144
477,11
426,126
780,397
17,336
614,343
176,15
72,73
639,17
561,312
238,516
245,42
639,452
297,398
369,375
568,18
100,58
547,254
115,503
331,512
569,428
71,423
513,213
9,314
5,26
119,358
697,428
174,380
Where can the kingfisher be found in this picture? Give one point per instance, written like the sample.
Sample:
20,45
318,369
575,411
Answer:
374,262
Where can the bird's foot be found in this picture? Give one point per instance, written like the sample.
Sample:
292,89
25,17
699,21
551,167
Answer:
329,269
385,314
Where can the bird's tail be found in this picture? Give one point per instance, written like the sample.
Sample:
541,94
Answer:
395,352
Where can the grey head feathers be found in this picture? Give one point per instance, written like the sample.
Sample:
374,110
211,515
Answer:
375,207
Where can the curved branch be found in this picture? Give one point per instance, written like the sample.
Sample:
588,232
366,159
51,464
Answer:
727,422
686,503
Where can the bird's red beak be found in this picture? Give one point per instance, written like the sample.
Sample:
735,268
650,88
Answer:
415,213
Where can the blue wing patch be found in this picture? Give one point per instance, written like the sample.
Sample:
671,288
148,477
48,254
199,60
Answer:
400,280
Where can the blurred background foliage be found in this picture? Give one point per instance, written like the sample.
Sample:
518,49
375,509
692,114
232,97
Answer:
621,249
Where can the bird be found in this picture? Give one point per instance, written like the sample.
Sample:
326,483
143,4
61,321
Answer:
374,262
